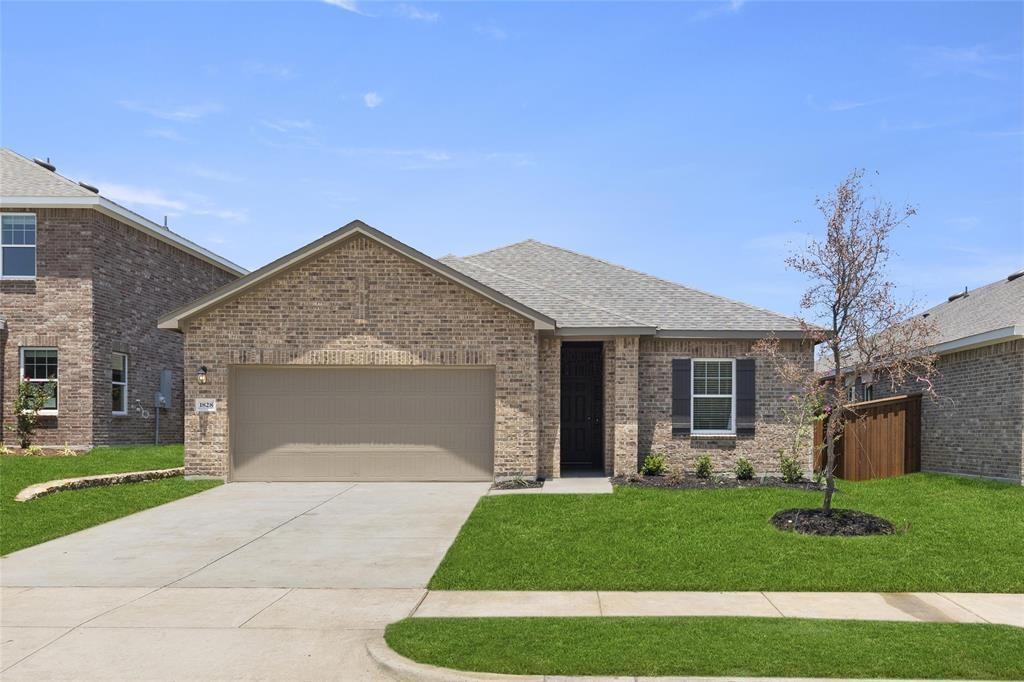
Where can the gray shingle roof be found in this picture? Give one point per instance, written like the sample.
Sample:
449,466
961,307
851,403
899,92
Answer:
985,309
21,177
995,307
581,291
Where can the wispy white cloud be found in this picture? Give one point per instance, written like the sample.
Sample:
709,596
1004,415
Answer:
347,5
145,197
718,8
969,222
840,105
222,214
414,13
372,100
257,68
977,60
140,196
212,174
915,125
517,159
182,113
287,125
166,134
491,30
1019,132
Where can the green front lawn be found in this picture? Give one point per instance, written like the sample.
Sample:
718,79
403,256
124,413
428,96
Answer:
713,646
956,534
28,523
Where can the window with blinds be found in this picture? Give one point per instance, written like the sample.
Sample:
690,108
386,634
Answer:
714,396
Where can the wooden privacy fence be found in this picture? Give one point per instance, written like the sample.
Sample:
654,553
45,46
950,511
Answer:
883,439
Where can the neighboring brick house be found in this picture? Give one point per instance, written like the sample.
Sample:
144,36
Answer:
82,282
359,358
974,425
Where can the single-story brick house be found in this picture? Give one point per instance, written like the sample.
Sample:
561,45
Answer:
975,424
357,357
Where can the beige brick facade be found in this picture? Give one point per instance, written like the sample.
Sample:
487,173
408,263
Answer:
100,287
361,303
550,408
975,424
655,409
625,362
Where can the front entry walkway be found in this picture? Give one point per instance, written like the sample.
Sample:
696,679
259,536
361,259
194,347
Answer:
1005,609
245,581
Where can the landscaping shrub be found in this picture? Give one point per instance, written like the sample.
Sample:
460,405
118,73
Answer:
34,450
704,467
654,465
791,470
4,450
27,403
744,469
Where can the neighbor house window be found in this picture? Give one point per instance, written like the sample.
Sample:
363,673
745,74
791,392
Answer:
39,366
18,245
119,383
714,396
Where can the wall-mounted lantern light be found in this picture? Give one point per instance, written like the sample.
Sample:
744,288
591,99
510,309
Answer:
201,374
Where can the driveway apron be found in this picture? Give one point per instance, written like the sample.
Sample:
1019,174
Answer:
248,580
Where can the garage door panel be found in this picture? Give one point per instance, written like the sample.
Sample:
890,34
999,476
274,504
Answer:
362,423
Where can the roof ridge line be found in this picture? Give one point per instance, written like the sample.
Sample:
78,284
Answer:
556,293
665,281
496,248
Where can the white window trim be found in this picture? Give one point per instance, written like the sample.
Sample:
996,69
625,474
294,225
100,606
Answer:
21,376
693,402
123,384
35,264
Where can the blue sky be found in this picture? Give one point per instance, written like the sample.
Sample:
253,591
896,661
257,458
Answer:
688,140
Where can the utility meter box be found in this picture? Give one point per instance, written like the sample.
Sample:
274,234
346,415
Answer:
162,398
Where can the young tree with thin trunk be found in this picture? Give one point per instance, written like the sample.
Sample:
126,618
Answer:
851,311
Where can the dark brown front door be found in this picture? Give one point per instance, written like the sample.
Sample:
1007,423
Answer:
582,406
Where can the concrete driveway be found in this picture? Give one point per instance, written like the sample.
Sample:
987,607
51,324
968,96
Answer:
249,580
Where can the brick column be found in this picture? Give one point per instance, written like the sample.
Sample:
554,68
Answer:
626,361
549,409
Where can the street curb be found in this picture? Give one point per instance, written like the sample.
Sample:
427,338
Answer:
399,667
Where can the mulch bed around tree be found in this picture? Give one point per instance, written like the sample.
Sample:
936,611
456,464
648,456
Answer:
847,522
694,483
517,484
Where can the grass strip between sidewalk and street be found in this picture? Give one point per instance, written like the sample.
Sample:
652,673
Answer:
775,647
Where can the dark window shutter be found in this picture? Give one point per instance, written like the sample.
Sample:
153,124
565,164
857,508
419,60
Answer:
745,396
681,397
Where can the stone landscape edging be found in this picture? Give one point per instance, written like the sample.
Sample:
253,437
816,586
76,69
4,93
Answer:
60,484
407,670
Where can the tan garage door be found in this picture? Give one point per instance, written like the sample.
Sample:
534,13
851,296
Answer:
361,424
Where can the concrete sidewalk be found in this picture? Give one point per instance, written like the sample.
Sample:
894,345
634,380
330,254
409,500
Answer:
933,607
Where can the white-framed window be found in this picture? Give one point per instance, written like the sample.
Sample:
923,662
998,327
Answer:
39,366
119,384
713,396
18,245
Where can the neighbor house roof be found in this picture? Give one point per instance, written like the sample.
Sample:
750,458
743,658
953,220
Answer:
987,315
25,183
177,319
588,295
